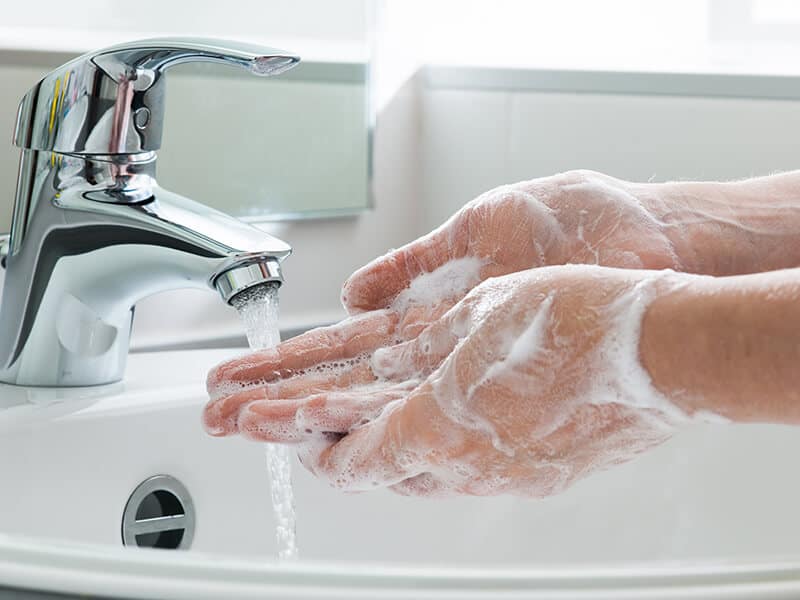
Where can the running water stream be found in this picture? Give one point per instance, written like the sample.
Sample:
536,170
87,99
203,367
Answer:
258,309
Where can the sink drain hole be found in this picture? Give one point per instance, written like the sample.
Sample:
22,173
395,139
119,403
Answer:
161,507
159,514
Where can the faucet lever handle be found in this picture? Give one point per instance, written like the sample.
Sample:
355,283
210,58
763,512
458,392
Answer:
111,101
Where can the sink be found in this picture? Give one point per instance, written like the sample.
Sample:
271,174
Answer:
712,505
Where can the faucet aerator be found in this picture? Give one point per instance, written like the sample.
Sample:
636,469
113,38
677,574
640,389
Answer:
243,277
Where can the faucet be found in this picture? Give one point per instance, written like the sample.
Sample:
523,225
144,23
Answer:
92,233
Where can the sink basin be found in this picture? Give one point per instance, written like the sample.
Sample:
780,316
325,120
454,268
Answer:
712,506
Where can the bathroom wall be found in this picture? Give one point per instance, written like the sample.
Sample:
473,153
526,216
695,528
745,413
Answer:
474,139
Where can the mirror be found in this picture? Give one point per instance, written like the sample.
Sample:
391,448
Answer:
287,147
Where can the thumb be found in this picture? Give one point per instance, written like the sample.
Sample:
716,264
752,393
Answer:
376,285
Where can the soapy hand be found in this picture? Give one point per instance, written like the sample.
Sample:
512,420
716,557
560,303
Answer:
576,217
527,384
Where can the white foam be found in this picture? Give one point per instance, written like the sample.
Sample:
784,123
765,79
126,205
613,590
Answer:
621,377
527,344
522,350
450,281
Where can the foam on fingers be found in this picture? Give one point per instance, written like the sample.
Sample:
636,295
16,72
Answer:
451,280
318,350
220,416
270,421
371,456
342,412
291,421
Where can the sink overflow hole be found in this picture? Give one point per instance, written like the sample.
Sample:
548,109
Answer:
159,514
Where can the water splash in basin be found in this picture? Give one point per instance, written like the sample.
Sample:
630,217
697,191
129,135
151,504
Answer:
258,308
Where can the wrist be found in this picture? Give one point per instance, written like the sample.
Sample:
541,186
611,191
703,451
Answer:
729,228
727,346
690,216
668,327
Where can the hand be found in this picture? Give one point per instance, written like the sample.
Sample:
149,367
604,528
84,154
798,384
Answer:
528,384
580,217
576,217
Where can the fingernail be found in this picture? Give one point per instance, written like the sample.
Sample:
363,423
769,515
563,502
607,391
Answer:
264,423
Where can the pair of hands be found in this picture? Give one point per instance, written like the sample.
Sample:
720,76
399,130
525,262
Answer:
490,356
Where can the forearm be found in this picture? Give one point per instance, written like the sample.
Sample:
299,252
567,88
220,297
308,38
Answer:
729,345
730,228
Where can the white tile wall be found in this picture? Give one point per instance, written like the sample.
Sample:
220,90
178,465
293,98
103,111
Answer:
652,137
475,140
463,148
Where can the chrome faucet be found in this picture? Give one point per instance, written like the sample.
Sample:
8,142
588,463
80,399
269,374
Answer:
93,233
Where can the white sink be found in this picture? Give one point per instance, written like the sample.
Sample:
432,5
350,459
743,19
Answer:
714,505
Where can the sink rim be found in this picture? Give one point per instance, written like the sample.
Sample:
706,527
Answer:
80,568
38,563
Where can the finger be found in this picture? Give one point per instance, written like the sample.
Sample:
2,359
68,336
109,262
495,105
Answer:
342,342
341,376
418,357
393,447
221,415
424,485
375,285
291,421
